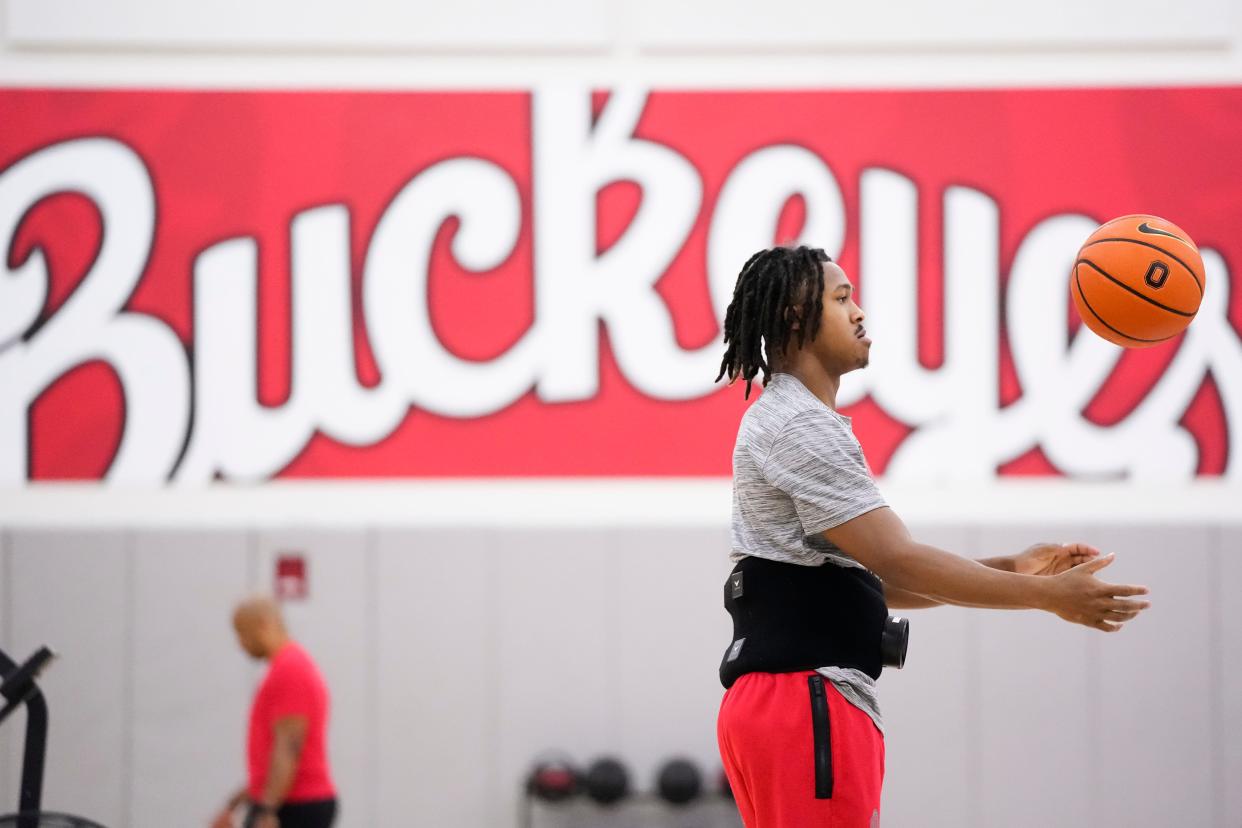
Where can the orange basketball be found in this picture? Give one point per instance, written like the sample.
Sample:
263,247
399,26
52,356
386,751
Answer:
1138,281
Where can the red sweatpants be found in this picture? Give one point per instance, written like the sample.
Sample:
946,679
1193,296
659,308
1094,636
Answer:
767,741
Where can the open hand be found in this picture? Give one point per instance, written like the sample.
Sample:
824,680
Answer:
1052,558
1076,595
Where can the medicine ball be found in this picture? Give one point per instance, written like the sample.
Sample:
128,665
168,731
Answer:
607,781
552,780
679,781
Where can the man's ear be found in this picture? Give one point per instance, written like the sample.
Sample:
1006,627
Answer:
792,319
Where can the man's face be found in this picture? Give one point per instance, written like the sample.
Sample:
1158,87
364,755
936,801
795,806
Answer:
841,344
248,636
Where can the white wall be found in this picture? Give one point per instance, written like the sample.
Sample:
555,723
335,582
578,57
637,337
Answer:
456,656
790,43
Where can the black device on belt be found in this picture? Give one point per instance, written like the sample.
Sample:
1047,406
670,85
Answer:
894,641
789,617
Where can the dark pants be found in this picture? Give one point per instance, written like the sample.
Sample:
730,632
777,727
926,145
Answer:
318,814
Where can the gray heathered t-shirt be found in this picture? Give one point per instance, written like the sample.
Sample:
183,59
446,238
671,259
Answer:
798,470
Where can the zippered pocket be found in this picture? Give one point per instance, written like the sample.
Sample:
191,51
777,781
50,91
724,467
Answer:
821,727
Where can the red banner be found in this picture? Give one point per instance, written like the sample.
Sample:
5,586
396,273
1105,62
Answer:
250,285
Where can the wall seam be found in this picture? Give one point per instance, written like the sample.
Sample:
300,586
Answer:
252,561
6,572
1216,675
6,633
612,551
371,689
494,733
1095,730
252,587
974,700
1093,678
128,687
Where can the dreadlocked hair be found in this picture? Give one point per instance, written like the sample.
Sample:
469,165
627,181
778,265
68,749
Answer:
778,297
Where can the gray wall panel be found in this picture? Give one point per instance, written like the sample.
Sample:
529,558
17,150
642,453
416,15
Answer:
1154,711
191,681
1034,708
668,630
454,657
1229,674
70,591
332,624
6,579
557,682
437,680
10,732
928,712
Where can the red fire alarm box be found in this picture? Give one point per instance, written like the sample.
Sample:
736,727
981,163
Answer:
291,573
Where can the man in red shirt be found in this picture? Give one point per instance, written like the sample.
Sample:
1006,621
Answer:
289,782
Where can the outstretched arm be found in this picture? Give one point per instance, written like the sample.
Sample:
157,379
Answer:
1040,559
881,542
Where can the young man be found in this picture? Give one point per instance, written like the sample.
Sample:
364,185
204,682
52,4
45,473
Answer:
290,785
820,558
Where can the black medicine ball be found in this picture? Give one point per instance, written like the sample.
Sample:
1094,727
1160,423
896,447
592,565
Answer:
607,781
679,781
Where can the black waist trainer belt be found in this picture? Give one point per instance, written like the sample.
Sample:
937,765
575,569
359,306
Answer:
789,617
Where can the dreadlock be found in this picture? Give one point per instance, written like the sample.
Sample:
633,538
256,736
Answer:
778,295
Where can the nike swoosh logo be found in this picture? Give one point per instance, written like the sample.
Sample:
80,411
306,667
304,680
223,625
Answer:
1147,228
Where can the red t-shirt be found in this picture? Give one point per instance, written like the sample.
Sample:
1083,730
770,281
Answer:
292,687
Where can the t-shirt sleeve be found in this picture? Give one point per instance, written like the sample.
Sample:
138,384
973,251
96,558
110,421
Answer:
818,463
290,692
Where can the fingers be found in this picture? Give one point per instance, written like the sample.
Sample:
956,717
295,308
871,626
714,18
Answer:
1107,622
1118,612
1081,550
1122,605
1068,562
1109,615
1096,564
1106,607
1074,551
1124,590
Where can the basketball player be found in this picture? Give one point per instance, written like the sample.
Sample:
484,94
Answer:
820,558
